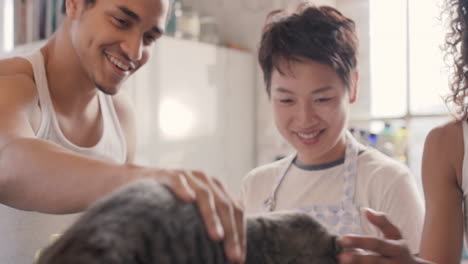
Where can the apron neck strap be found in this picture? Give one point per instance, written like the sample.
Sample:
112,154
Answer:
270,203
350,167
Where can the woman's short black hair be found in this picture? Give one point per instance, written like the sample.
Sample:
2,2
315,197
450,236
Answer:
313,33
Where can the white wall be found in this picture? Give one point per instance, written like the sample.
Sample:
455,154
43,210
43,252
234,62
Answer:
6,25
2,23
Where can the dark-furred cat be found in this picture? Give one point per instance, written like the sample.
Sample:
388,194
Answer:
144,223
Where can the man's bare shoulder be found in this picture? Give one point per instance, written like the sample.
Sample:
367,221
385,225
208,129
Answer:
15,66
17,89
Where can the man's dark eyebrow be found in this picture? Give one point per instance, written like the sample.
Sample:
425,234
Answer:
137,18
129,13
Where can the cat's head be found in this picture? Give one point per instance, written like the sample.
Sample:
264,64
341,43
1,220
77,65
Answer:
144,222
290,237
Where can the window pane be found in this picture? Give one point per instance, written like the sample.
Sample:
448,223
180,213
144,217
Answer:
388,61
428,75
6,25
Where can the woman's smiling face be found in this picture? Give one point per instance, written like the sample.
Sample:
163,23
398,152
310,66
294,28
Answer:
311,109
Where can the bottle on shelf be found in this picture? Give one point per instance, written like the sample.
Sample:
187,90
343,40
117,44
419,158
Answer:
401,139
209,30
385,142
171,22
187,21
372,139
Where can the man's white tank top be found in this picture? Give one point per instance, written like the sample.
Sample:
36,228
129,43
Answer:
111,146
22,233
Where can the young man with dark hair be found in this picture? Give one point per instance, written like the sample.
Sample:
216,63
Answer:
67,133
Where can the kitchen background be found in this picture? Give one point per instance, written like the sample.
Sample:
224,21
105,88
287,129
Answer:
201,102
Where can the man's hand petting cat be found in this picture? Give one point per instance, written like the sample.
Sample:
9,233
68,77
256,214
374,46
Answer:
389,250
223,217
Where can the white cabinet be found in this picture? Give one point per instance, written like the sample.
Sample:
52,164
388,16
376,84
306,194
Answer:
194,105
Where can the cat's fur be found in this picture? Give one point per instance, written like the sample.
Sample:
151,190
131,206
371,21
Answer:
144,223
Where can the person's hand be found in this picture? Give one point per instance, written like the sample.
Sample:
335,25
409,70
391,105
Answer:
223,218
365,249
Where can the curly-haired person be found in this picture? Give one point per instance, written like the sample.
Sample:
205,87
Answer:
444,173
